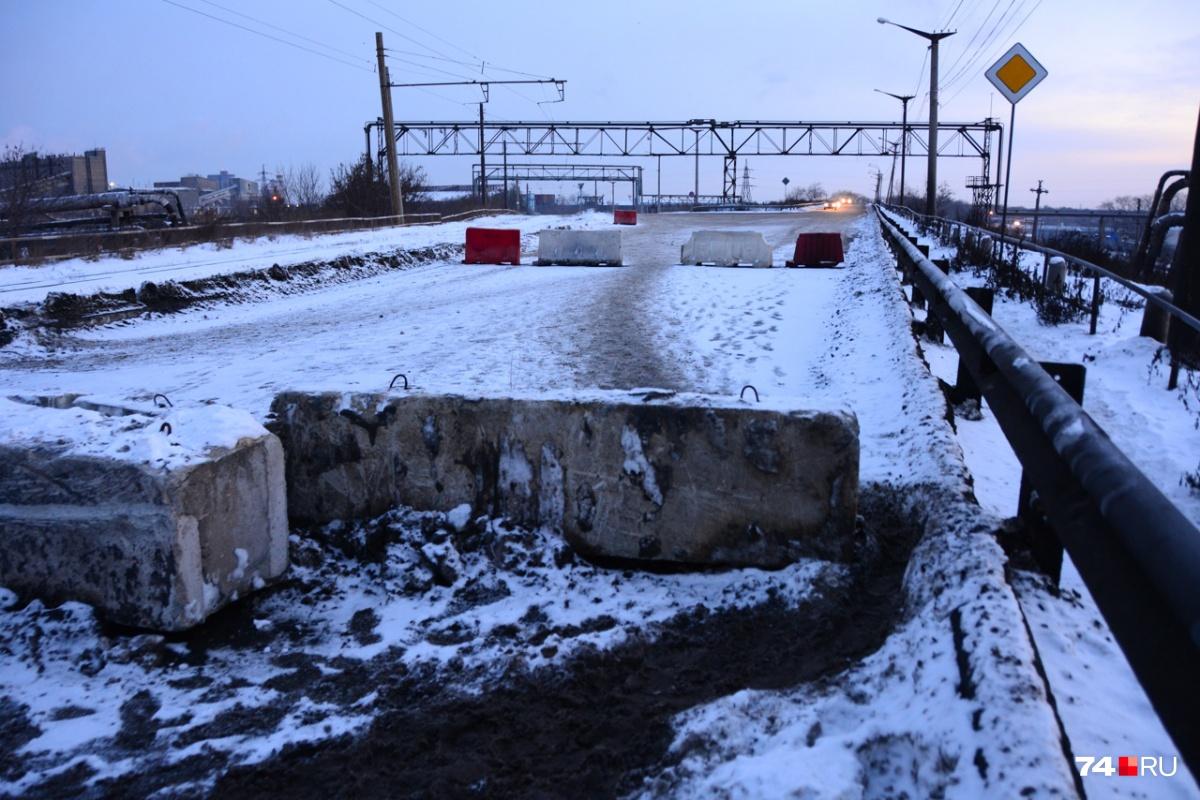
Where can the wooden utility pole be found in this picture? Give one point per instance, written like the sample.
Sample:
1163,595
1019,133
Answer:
389,128
1037,207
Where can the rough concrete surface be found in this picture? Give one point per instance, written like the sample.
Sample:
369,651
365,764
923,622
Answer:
155,543
726,248
579,248
684,479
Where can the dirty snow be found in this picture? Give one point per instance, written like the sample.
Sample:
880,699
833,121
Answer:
1103,708
950,704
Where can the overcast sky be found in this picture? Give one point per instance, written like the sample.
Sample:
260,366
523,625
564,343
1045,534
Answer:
168,91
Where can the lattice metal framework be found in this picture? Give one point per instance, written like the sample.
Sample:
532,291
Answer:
697,137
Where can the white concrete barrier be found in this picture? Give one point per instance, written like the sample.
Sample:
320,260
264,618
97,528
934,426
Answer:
157,525
726,248
1056,274
579,248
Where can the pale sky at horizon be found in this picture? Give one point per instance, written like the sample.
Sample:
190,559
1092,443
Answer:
170,92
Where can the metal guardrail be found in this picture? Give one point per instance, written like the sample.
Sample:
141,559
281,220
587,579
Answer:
1137,553
1075,261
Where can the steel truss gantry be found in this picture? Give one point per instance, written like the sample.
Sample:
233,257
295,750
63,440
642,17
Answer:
696,137
567,173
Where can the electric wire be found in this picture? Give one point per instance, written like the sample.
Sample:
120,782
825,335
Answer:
1000,26
974,37
354,56
477,61
267,35
989,40
1013,33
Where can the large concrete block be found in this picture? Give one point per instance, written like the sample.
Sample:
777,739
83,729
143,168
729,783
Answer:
579,248
691,479
157,528
726,248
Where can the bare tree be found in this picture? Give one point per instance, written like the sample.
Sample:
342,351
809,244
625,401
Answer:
18,187
304,185
357,189
801,194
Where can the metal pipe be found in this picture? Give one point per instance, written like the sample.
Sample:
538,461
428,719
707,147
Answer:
1158,235
1144,240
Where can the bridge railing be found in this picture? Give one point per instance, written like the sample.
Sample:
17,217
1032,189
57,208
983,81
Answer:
1137,553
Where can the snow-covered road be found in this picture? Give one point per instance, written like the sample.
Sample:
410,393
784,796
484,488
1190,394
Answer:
930,711
450,326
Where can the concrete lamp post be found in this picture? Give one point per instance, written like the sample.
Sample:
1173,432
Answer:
934,37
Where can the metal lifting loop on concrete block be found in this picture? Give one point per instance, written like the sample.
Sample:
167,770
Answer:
751,388
165,428
165,400
392,385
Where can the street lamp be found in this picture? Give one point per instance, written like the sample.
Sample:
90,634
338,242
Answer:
934,38
903,98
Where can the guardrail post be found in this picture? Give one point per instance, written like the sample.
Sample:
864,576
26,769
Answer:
965,387
1044,544
1097,298
934,331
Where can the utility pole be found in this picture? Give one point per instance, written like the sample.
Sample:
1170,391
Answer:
483,190
892,176
878,184
506,173
903,98
696,192
483,85
1037,207
389,127
934,38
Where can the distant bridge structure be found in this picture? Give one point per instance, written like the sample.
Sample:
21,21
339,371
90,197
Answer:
695,138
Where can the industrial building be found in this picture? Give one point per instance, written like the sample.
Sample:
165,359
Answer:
58,175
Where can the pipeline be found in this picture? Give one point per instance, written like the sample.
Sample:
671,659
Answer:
1158,235
1144,243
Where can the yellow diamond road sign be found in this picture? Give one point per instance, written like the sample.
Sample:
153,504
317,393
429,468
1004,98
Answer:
1016,73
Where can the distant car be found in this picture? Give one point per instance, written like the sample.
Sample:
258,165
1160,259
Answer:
830,205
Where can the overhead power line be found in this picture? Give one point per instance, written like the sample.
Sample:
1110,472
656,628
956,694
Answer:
354,56
483,66
974,38
267,35
476,59
997,52
998,27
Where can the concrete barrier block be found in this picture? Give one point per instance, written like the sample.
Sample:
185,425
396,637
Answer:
157,528
1056,274
579,248
689,479
726,249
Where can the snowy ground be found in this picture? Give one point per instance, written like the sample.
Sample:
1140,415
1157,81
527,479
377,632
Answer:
26,284
377,623
1126,395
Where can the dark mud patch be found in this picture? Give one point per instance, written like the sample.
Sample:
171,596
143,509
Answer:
600,724
15,732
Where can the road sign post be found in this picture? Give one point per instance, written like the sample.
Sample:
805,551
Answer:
1014,75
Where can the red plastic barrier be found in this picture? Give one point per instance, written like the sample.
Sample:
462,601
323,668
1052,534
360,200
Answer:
817,250
624,217
493,246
